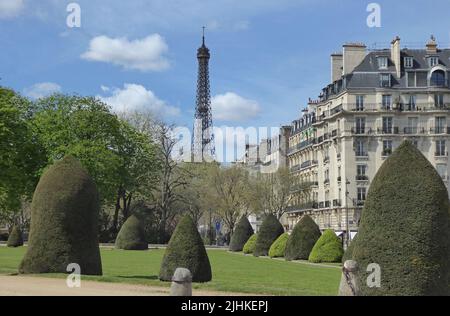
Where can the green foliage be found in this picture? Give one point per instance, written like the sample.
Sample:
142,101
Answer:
132,235
279,246
270,230
302,240
64,222
405,228
249,246
186,250
116,155
15,238
242,233
327,249
348,254
20,153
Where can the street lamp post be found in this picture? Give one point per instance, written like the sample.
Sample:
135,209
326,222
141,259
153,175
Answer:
347,229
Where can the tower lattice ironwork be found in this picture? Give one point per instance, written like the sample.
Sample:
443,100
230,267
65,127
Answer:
203,142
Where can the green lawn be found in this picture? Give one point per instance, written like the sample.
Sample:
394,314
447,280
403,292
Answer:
231,272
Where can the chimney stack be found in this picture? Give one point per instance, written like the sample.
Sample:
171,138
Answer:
337,64
396,55
353,55
432,45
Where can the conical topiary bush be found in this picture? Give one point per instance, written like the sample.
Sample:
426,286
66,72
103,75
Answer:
405,228
132,235
270,230
186,250
15,239
327,249
302,239
64,222
242,233
279,246
249,246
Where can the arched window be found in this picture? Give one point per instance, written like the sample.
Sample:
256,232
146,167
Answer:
438,78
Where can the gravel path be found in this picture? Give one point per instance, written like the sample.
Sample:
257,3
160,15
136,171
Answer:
37,286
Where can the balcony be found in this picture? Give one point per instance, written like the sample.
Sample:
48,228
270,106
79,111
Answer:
326,182
362,178
360,203
441,154
337,203
387,152
326,159
303,207
439,130
361,154
295,168
327,204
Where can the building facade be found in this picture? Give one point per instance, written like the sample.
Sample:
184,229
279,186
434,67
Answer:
376,100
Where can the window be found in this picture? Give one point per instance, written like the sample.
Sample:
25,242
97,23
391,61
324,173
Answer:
361,194
439,100
409,62
382,62
412,125
411,79
387,125
438,79
360,125
422,78
385,80
327,176
361,172
360,150
387,147
433,61
440,148
359,103
387,102
440,125
412,103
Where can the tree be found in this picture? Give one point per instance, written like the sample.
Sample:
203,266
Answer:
64,222
21,155
405,228
186,250
132,235
120,159
303,238
241,234
272,192
327,249
230,189
270,230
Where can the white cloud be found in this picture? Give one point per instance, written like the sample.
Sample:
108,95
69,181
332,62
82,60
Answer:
11,8
232,107
134,97
145,54
42,90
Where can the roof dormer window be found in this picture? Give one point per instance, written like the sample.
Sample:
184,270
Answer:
433,61
382,62
409,62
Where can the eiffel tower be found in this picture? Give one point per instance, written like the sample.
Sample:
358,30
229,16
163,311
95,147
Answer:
203,142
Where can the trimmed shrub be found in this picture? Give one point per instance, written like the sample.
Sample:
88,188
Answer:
405,228
186,250
270,230
302,240
348,254
327,249
242,233
132,235
249,246
15,238
279,246
64,222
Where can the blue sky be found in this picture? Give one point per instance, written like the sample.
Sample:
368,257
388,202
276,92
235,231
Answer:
268,56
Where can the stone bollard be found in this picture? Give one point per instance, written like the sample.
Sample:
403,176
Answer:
349,286
181,283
